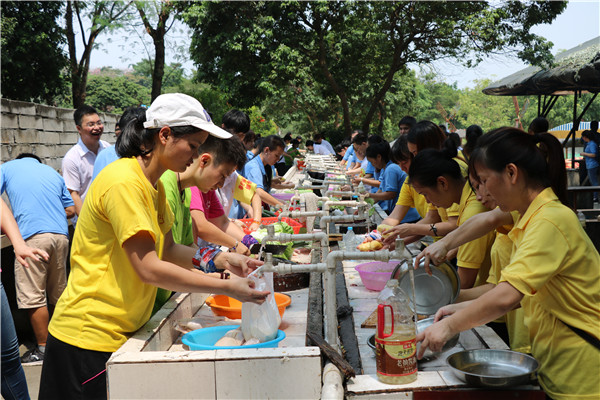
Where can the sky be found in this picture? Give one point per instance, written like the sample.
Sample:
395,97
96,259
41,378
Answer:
579,23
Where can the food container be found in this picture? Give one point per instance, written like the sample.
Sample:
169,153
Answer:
271,220
493,368
205,339
232,308
431,292
375,274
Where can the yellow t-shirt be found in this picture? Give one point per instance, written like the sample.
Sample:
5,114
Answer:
105,301
555,266
244,190
476,253
409,197
500,257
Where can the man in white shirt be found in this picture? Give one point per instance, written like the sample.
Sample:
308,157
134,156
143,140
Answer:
78,163
320,140
316,148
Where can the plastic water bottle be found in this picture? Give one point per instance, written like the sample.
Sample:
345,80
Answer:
395,343
350,239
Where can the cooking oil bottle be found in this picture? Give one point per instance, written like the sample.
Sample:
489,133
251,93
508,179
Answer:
395,339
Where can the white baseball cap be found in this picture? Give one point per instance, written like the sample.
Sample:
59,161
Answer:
178,109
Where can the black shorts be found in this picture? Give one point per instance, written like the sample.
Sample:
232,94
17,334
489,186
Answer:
70,372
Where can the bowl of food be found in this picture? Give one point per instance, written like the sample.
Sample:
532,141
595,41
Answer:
374,275
205,339
231,308
493,368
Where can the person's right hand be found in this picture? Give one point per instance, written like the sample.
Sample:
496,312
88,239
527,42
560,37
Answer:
435,254
243,290
23,252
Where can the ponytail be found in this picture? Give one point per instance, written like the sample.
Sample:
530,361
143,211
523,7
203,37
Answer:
539,156
430,164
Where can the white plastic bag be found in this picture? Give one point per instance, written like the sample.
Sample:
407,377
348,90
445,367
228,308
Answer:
262,321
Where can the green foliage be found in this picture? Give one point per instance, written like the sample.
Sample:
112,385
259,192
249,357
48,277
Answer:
173,76
32,58
114,94
349,54
259,124
213,100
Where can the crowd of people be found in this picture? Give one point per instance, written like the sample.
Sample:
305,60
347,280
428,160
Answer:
158,212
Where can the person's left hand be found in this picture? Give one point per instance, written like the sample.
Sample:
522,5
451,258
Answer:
237,263
23,252
434,337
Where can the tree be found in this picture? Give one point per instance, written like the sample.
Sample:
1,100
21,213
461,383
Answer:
103,15
174,74
162,10
32,59
115,93
353,49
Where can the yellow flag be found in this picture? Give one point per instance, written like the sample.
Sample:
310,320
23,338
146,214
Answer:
244,190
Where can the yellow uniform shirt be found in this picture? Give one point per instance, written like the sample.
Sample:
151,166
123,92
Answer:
555,266
476,253
105,301
500,257
409,197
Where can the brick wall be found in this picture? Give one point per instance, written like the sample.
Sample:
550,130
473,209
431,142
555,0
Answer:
48,132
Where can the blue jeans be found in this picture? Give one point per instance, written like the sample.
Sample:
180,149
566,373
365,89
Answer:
14,385
593,175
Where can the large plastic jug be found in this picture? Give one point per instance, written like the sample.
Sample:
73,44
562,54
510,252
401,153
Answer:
395,339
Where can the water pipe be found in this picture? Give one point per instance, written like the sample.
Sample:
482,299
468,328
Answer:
329,268
362,215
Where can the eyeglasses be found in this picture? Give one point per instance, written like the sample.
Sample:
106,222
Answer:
92,124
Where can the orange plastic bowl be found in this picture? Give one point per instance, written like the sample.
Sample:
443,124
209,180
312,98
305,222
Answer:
232,308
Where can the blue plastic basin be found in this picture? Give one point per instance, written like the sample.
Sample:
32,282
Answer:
205,339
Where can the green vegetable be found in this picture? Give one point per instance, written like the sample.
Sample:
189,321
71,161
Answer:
280,227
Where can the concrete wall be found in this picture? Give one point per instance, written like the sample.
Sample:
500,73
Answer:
48,132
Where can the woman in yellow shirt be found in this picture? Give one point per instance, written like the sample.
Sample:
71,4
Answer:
437,176
123,250
553,271
435,221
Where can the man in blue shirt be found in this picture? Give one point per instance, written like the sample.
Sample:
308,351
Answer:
41,205
259,170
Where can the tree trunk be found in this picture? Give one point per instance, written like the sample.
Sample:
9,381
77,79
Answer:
159,66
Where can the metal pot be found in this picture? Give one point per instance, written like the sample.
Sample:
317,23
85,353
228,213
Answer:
493,368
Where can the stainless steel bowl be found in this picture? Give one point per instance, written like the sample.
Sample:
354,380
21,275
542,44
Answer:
424,324
431,292
493,368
